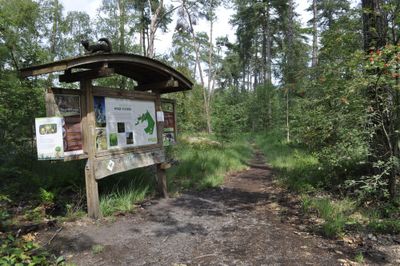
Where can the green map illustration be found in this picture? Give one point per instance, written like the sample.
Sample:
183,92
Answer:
150,122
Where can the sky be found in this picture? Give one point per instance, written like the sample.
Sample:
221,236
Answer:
163,42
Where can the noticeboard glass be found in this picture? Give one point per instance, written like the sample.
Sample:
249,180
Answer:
124,123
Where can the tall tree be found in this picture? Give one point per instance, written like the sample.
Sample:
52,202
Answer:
383,98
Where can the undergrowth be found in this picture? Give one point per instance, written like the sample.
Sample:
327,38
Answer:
204,162
334,214
301,171
24,251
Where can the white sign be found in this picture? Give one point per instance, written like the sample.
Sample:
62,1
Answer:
160,116
124,123
49,138
110,165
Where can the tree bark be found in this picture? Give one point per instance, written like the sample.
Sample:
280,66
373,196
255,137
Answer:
314,60
122,22
207,94
153,28
374,24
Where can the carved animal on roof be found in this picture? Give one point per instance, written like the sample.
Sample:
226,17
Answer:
102,46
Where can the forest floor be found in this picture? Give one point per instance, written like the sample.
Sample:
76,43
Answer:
249,220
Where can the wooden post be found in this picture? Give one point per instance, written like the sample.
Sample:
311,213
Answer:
161,177
88,126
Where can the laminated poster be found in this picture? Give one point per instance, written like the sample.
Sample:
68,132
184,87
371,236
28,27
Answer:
49,138
122,123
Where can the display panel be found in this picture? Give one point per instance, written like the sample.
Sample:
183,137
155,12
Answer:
169,131
122,123
49,138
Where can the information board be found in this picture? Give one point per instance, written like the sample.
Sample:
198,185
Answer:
49,138
122,123
68,106
169,131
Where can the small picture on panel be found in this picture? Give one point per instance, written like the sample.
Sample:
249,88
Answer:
121,127
129,138
113,139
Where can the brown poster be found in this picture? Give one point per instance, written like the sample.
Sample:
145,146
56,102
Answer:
69,108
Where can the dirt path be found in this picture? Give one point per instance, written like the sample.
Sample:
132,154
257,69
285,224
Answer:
236,224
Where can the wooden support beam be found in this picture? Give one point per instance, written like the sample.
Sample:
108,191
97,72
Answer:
92,190
87,74
161,177
158,85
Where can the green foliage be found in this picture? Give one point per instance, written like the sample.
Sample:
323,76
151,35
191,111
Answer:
46,197
190,110
204,162
14,251
4,214
230,117
388,226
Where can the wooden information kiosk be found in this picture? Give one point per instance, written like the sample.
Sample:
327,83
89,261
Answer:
114,129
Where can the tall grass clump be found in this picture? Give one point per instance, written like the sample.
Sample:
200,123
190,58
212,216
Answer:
335,214
120,193
203,162
299,169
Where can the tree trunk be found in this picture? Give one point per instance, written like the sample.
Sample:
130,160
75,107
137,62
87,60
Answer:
287,116
122,22
143,34
374,25
314,61
199,68
153,28
207,94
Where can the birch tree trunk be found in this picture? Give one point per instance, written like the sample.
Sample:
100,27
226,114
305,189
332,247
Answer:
153,28
207,94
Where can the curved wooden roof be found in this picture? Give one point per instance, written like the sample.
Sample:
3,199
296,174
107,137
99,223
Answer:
150,74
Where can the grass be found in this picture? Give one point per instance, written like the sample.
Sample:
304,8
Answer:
129,188
300,171
385,226
359,258
335,214
204,163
